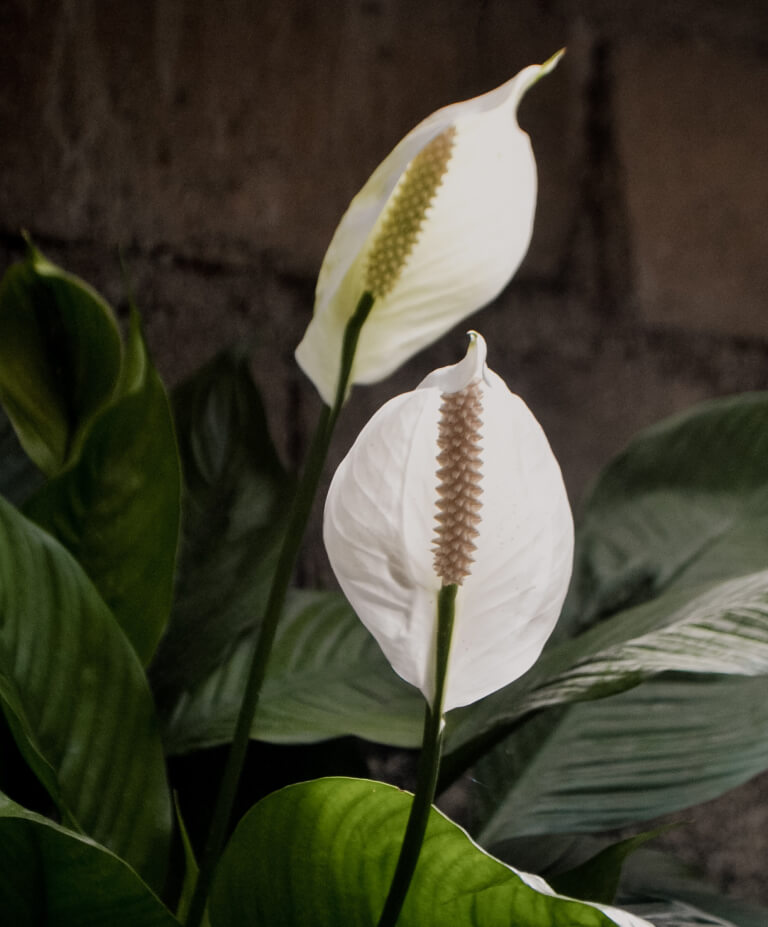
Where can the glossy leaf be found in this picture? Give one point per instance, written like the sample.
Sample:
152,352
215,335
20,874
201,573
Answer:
670,743
59,358
236,496
77,700
686,503
333,845
118,508
721,628
674,526
327,678
53,877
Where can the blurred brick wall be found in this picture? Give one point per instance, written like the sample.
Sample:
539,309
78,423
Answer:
219,142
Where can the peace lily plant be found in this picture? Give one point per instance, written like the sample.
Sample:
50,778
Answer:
449,530
129,518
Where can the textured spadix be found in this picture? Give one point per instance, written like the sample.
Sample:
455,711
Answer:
436,233
454,482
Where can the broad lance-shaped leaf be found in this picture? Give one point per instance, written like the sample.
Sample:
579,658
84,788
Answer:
670,743
77,699
53,877
686,503
236,497
718,629
326,678
118,508
59,358
332,848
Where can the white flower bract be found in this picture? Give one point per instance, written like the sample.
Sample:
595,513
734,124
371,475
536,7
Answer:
437,232
381,532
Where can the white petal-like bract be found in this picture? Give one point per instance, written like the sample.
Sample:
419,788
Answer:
436,233
504,524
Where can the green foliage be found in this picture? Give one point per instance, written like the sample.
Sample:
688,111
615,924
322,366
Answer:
597,878
60,357
668,744
77,700
707,615
651,874
327,678
118,508
191,871
53,877
337,867
19,477
652,696
685,504
236,496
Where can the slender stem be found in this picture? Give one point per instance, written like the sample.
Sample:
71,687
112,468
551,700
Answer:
300,512
429,764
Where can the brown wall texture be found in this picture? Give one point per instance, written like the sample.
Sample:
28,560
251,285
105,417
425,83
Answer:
218,142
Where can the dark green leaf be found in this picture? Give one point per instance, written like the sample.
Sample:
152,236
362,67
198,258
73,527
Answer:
191,872
77,699
52,877
686,503
237,495
117,509
653,874
597,878
327,678
721,628
670,743
19,477
676,523
59,358
332,848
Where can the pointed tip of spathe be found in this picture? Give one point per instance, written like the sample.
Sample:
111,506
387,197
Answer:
477,348
541,70
552,62
470,368
533,74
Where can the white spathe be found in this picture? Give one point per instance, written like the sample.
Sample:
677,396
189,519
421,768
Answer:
472,239
379,531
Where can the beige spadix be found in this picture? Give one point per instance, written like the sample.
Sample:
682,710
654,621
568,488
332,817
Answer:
437,232
453,483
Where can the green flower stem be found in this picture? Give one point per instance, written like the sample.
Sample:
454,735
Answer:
429,763
300,512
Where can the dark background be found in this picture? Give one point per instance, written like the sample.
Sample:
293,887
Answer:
218,142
